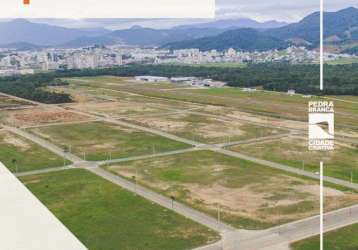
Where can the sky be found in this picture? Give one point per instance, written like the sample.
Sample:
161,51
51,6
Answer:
260,10
281,10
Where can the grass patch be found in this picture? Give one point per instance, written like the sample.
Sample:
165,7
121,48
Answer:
342,163
205,129
248,200
271,104
28,156
340,239
7,101
98,140
105,217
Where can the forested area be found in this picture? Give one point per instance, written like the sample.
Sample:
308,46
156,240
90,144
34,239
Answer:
30,87
339,79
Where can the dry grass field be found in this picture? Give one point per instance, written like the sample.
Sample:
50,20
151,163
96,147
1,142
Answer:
341,163
249,195
204,128
100,140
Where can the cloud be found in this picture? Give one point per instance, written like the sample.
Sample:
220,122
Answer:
281,10
260,10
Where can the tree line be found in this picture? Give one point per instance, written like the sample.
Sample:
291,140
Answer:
32,87
339,79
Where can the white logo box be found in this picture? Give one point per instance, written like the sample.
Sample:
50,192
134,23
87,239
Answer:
79,9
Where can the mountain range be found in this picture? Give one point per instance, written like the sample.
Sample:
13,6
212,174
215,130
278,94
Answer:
246,39
20,31
241,34
236,23
340,26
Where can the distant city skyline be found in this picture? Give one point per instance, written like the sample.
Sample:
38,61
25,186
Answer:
279,10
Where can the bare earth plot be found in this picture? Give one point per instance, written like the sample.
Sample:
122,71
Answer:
39,115
104,216
269,104
99,140
249,196
132,105
118,108
99,99
341,163
20,154
205,129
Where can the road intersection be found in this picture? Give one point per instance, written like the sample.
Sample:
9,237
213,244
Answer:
274,238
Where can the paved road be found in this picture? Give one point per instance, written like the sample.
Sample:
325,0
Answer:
142,157
44,171
163,201
21,99
106,118
301,131
254,140
43,143
275,238
282,236
215,148
286,168
59,123
146,193
154,114
260,124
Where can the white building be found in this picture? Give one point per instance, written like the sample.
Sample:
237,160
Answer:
151,78
291,92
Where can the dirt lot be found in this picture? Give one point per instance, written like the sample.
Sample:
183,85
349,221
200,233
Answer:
293,151
205,129
122,107
247,199
38,116
99,140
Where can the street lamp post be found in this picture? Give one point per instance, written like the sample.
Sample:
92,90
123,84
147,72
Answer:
173,199
135,183
14,161
65,149
218,207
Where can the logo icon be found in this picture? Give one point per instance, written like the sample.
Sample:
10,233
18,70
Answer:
321,125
